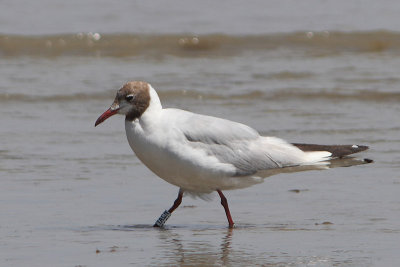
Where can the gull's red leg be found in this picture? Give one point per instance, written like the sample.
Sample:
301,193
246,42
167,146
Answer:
167,213
224,203
177,201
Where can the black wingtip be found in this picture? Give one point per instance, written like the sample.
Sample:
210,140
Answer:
368,160
338,151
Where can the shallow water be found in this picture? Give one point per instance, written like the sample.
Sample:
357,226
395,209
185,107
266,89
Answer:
75,195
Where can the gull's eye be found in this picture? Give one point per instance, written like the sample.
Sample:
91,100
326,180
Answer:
129,98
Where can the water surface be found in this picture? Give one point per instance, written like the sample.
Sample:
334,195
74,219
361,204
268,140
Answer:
75,195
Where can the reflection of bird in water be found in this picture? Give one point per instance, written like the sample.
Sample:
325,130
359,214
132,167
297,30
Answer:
201,154
180,250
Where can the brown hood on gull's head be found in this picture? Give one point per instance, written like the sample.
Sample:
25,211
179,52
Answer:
202,154
131,100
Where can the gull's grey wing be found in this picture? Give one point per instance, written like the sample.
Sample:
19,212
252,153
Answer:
237,144
213,130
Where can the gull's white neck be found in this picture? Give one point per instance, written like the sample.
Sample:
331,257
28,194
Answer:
153,110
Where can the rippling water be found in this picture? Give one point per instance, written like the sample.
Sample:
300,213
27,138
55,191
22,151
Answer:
314,44
72,194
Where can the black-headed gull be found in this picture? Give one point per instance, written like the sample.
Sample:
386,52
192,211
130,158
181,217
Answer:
201,154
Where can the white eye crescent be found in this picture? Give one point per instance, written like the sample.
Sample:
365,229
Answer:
129,97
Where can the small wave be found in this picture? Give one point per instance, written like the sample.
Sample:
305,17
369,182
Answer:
127,45
289,95
7,97
284,75
281,95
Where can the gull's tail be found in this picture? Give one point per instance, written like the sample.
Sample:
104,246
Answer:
325,165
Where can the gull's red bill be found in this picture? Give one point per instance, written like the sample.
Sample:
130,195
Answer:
108,113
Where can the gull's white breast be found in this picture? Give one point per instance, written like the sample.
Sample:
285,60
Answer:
163,148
